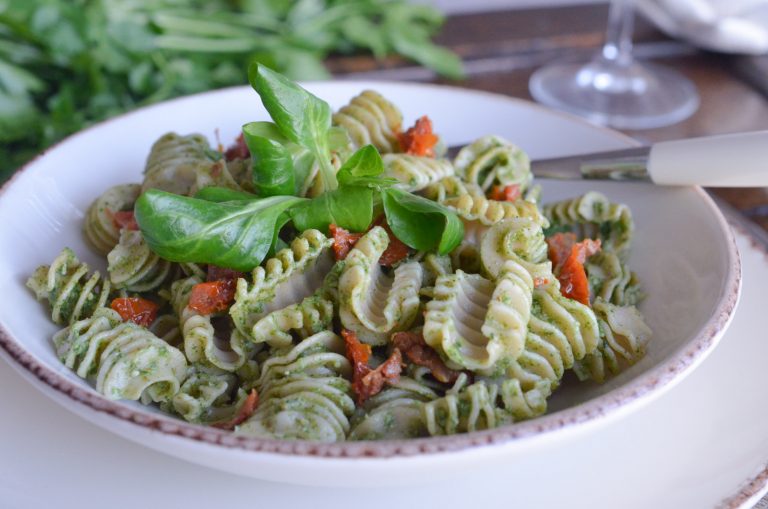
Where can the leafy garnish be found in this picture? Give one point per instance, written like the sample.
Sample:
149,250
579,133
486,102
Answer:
232,234
235,229
220,194
420,223
349,207
272,164
300,116
364,168
366,162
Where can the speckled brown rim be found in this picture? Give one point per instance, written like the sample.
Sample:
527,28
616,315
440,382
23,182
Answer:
660,376
750,489
758,483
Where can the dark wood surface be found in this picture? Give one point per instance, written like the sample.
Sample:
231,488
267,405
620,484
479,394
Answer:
502,49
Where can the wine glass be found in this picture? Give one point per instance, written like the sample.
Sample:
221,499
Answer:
614,89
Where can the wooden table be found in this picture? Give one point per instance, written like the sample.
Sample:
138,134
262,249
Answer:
502,49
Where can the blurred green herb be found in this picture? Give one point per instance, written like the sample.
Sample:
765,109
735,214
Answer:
67,63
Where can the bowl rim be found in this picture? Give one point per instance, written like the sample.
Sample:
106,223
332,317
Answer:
659,377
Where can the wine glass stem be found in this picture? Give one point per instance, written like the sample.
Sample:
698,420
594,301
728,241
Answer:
618,36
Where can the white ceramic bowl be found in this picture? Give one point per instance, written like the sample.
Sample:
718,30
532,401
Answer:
683,252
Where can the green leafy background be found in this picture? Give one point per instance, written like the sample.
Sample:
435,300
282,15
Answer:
65,64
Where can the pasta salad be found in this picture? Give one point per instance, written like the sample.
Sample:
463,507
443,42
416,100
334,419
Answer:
333,276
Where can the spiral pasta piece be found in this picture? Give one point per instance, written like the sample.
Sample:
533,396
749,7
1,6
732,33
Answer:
484,405
519,239
100,229
66,285
304,392
568,324
520,404
310,316
493,160
372,303
208,395
166,327
134,267
546,356
561,332
476,207
450,187
128,361
469,202
592,215
624,337
474,322
201,343
414,173
394,413
294,274
369,118
472,409
611,280
184,164
75,345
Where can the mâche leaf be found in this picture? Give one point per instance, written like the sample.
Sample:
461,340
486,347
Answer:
364,168
220,194
349,207
366,162
232,234
271,164
420,223
300,116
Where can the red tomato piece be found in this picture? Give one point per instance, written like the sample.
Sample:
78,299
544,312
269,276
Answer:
216,273
367,382
135,309
237,151
414,347
212,297
419,140
510,192
559,247
396,249
343,241
243,413
124,219
568,257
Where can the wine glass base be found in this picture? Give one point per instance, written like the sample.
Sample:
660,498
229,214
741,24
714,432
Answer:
628,96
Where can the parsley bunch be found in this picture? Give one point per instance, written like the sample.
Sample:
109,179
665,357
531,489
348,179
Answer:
65,64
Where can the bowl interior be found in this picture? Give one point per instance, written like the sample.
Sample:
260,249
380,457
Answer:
682,250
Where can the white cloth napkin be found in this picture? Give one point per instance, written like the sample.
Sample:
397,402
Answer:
732,26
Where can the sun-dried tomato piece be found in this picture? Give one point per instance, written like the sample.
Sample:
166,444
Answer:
414,347
343,241
509,192
124,219
135,309
559,247
572,276
367,382
357,353
239,150
568,257
244,412
216,273
212,297
419,140
396,249
373,381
